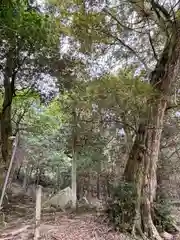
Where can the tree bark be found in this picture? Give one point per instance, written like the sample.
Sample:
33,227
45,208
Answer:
38,212
18,171
98,185
74,185
24,185
142,163
6,126
59,182
74,159
5,114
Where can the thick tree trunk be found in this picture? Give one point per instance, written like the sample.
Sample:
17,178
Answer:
6,126
5,115
6,131
142,163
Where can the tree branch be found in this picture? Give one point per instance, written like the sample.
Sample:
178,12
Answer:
162,16
117,20
152,46
154,11
141,60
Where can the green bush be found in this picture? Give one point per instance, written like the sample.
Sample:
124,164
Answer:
162,215
121,207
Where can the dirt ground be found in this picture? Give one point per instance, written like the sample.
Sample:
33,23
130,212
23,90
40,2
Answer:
58,226
19,224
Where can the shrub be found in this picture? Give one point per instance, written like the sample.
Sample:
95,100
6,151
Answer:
162,215
121,207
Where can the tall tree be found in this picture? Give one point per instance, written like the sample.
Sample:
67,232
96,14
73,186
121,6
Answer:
26,34
157,24
142,163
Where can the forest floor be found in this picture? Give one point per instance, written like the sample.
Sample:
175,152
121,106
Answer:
20,222
83,227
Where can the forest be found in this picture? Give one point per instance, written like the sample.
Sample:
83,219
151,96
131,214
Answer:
89,119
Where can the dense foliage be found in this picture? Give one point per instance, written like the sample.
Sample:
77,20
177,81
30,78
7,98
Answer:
88,85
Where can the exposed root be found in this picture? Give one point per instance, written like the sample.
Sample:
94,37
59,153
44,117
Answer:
136,229
149,228
142,234
153,233
143,224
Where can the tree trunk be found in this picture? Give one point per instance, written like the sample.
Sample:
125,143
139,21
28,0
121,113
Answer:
6,127
28,177
9,88
18,172
24,185
74,185
74,159
98,185
38,212
142,163
6,131
59,182
5,115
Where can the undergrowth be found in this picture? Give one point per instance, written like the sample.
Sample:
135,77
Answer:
162,215
121,207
